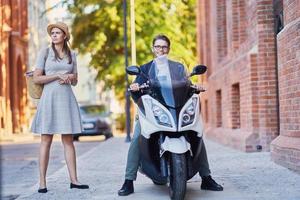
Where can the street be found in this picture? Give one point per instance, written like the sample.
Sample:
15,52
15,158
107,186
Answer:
59,56
19,164
245,176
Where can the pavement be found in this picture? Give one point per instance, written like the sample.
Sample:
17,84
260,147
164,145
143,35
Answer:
19,138
245,176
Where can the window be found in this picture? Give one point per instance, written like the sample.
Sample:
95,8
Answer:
221,29
278,15
239,23
235,110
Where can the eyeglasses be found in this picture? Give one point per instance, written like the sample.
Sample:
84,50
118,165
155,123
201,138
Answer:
158,47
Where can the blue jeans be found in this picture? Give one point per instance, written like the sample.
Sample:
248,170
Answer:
133,157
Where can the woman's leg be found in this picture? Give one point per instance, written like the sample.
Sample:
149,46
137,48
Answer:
46,141
70,156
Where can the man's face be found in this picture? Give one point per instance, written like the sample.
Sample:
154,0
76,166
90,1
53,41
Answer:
160,48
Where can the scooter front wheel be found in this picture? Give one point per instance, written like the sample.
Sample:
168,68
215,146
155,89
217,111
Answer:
178,176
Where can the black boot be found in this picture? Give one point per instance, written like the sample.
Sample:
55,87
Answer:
127,188
210,184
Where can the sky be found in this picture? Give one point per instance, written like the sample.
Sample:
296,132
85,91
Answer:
59,13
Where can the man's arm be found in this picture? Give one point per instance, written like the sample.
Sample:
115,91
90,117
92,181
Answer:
140,79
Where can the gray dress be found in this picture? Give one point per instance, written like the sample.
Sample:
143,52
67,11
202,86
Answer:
57,110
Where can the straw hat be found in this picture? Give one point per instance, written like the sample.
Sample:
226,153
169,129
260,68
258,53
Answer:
62,26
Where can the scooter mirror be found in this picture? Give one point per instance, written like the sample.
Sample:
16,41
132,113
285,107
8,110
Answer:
133,70
199,69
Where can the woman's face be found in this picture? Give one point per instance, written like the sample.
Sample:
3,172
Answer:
57,36
160,48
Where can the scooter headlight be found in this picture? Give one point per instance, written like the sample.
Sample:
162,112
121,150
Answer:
186,118
190,109
189,113
161,116
157,111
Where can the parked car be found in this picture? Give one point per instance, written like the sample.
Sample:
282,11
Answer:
95,121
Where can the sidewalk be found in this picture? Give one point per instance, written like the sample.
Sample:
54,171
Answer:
245,176
24,138
19,138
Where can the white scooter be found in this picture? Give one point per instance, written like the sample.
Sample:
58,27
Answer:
171,128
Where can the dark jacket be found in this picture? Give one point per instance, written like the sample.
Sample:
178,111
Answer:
177,71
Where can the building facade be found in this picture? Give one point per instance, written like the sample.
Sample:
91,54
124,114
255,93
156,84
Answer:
251,68
285,149
13,61
37,23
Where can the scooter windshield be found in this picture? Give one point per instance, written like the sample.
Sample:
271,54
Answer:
169,82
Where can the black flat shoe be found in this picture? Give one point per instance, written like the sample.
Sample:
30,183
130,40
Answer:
208,183
79,186
127,188
43,190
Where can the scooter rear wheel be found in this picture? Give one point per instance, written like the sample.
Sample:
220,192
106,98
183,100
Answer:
178,176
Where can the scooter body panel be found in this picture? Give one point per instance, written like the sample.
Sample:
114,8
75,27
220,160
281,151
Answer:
178,138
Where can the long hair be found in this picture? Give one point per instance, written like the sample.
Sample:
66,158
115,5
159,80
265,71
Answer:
65,49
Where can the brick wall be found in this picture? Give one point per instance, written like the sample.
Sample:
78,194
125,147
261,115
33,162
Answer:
13,60
285,149
237,44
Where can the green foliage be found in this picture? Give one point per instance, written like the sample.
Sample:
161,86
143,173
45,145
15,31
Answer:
98,29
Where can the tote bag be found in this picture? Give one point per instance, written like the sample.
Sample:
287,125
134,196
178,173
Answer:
35,90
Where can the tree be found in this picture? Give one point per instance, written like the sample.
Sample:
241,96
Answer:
98,29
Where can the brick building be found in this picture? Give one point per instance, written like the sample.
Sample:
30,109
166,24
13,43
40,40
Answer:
13,62
285,149
251,49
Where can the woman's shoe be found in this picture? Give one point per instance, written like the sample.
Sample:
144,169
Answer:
42,190
78,186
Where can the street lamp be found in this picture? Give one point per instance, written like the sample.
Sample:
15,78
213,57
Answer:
127,94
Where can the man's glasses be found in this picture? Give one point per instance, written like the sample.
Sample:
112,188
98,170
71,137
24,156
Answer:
158,47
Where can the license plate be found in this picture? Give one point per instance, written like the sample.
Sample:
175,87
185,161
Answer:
88,125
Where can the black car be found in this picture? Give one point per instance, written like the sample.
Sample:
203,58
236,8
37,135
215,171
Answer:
95,121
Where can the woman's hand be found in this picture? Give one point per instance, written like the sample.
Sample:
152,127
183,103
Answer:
68,79
134,87
72,77
64,79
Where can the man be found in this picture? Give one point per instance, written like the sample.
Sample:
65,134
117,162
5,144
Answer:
161,47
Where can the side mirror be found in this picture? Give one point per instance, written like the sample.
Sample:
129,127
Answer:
133,70
199,69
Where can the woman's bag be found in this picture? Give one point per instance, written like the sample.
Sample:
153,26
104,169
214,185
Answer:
35,90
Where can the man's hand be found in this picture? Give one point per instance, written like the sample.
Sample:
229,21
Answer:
134,87
200,88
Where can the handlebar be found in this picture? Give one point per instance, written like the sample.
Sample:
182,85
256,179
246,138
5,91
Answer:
197,89
145,86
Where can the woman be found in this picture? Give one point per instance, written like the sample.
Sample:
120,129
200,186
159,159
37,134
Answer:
160,48
57,110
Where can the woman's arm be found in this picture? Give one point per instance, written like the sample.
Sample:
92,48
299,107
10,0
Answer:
74,75
39,78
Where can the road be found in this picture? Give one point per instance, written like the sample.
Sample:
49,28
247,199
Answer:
19,163
245,176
